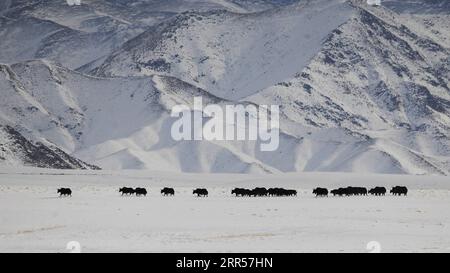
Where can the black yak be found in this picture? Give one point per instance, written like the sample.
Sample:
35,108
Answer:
340,192
350,191
240,192
259,192
290,192
140,191
360,191
281,192
126,191
399,190
320,192
273,191
168,191
201,192
64,192
378,191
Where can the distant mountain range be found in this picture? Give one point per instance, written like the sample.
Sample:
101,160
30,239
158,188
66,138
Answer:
361,88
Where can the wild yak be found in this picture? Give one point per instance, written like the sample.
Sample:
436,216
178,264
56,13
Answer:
399,190
290,193
240,192
140,191
340,192
263,192
361,191
377,191
168,191
126,191
259,192
281,192
64,192
273,191
320,192
201,192
349,191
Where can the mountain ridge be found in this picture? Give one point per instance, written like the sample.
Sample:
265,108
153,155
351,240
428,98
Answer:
361,89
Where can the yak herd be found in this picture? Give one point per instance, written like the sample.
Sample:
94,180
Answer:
361,191
131,191
263,192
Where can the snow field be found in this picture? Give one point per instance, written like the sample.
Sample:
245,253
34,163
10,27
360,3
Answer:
34,219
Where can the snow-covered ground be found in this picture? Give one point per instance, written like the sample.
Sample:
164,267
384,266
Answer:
34,219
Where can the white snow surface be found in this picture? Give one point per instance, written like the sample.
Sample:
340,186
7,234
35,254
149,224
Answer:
34,219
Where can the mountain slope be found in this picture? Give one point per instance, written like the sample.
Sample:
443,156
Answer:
375,77
231,55
15,150
81,34
361,88
89,118
376,73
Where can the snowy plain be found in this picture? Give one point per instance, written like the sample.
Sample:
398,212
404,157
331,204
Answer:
34,219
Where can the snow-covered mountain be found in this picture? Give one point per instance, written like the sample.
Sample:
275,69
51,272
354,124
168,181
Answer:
115,122
77,35
361,88
16,150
